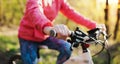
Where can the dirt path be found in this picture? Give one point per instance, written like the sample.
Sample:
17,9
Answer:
8,31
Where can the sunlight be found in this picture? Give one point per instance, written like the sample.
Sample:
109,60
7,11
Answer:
109,1
112,1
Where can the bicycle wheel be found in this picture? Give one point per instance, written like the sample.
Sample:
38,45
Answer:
15,59
100,52
96,49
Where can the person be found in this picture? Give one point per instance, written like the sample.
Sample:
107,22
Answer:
37,23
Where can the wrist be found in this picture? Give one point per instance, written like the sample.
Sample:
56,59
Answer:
47,30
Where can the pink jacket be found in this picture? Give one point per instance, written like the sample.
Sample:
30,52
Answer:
40,13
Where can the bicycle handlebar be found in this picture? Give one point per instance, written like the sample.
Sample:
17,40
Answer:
79,37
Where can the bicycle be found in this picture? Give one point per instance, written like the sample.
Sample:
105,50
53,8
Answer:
77,39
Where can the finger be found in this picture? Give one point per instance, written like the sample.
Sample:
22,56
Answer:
104,27
62,31
56,27
65,30
59,29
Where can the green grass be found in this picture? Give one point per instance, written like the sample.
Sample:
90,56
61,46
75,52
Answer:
8,42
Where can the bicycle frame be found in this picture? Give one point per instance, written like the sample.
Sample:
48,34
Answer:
84,58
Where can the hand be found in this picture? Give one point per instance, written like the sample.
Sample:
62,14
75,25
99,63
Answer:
62,31
102,27
47,30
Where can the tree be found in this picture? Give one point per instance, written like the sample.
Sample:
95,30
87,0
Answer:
117,25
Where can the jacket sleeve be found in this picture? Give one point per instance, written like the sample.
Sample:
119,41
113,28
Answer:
75,16
36,15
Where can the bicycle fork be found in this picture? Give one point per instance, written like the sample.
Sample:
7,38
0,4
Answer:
84,58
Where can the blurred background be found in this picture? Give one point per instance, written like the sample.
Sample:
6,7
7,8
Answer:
101,11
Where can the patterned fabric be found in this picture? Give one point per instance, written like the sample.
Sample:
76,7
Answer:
29,49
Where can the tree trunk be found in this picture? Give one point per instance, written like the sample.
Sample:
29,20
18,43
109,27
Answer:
106,16
118,22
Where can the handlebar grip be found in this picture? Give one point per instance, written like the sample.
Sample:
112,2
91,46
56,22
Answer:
53,33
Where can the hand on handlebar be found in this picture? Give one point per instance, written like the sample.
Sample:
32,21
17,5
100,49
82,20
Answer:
101,27
76,37
59,31
62,31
